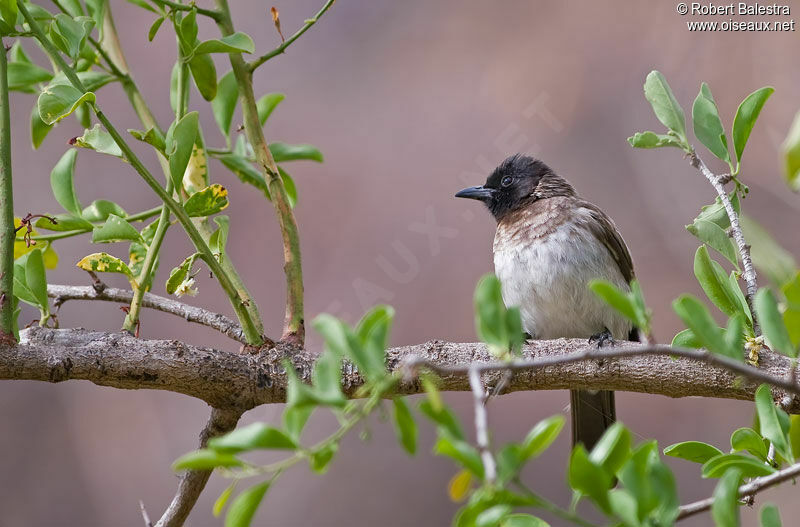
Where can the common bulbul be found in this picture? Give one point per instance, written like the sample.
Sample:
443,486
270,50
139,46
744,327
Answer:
550,243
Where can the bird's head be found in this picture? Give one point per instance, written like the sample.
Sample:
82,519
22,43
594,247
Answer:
517,182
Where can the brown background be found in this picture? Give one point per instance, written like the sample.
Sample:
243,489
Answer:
409,101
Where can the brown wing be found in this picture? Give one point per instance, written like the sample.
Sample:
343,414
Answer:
604,229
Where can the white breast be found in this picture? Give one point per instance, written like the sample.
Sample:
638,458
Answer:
547,278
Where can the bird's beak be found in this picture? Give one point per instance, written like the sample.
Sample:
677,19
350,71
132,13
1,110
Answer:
479,193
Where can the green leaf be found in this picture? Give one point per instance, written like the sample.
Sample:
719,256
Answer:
523,520
770,517
204,74
790,150
23,75
64,222
772,323
235,43
257,436
492,516
321,459
99,140
686,339
768,256
151,33
715,237
460,451
61,181
750,467
653,140
327,380
665,106
104,263
695,315
207,202
69,34
288,184
725,509
245,171
266,104
205,459
39,129
707,124
541,436
91,80
100,209
746,439
613,449
295,419
219,238
746,116
493,321
143,4
187,30
405,426
715,283
282,152
695,451
180,142
179,275
36,278
219,505
768,418
587,477
116,229
243,508
21,289
152,137
58,101
9,12
373,332
443,417
616,298
224,104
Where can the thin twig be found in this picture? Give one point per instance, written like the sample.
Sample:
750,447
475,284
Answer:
7,231
288,42
198,315
145,516
748,271
749,489
194,481
481,425
175,6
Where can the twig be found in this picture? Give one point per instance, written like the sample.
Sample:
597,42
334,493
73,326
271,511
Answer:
194,481
7,231
749,489
198,315
175,6
748,271
288,42
145,516
294,322
481,424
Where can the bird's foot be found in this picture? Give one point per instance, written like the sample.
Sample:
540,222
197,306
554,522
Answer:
602,339
528,338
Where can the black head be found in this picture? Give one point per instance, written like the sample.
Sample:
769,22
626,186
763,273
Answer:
512,185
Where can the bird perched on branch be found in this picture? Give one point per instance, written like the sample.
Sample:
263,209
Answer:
549,245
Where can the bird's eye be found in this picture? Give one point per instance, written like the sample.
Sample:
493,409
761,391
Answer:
507,181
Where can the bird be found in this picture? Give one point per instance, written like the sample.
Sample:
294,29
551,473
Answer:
549,244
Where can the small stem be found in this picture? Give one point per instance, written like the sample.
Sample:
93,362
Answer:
545,504
294,324
282,48
748,271
188,7
481,425
139,216
253,336
7,234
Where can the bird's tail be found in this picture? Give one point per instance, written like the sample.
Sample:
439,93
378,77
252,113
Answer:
592,413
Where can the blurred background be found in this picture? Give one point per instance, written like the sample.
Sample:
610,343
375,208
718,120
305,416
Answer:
409,102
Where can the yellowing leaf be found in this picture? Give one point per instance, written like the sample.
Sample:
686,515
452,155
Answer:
458,487
105,263
195,177
208,201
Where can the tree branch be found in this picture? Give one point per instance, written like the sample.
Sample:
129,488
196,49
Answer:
7,233
198,315
748,271
229,380
194,481
749,489
481,424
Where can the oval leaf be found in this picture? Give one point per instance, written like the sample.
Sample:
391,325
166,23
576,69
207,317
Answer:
707,124
206,202
58,101
695,451
235,43
746,116
665,106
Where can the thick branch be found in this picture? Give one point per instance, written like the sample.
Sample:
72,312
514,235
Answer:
7,233
243,381
748,271
194,481
749,489
198,315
